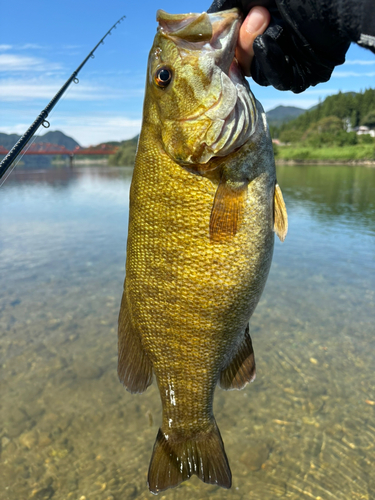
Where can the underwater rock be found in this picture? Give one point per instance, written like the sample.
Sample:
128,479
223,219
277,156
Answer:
255,456
44,440
87,370
18,423
43,493
4,442
28,439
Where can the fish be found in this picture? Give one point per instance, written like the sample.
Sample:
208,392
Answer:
204,208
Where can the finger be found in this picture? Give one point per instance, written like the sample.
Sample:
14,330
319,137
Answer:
255,24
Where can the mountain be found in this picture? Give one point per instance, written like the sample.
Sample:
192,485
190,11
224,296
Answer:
57,137
52,137
283,114
8,140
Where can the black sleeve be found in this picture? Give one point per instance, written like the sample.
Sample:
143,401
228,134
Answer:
306,39
367,26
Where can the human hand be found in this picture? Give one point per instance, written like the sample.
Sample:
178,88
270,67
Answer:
302,44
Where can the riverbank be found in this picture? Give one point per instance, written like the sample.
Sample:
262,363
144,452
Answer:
359,154
368,163
81,161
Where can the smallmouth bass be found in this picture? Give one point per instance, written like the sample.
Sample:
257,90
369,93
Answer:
204,206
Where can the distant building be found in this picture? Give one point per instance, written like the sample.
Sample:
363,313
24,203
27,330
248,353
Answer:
363,130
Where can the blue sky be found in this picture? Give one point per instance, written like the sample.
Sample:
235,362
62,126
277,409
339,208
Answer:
42,42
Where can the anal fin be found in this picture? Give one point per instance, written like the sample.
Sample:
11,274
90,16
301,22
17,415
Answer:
134,366
176,459
227,210
241,369
280,214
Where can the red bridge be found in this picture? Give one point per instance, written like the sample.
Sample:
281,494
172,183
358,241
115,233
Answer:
54,149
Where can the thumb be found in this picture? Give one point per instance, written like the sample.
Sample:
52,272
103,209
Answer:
255,24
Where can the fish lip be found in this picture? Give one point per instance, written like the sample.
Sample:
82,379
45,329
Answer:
225,29
219,32
223,23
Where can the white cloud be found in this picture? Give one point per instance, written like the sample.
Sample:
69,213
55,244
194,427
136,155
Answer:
95,129
347,74
18,90
26,46
360,62
19,129
87,130
13,62
298,102
321,91
306,100
72,47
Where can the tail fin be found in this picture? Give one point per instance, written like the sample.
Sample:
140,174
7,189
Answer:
175,460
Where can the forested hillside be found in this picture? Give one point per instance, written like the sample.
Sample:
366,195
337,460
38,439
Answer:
125,156
328,132
333,120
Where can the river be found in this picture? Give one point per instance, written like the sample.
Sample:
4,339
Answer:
305,429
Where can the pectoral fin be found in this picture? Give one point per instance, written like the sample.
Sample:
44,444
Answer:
241,369
134,366
280,214
227,211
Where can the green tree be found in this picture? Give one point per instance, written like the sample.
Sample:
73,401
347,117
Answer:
369,119
291,136
329,131
125,155
354,118
342,105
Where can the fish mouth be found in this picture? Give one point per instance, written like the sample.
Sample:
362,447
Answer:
216,32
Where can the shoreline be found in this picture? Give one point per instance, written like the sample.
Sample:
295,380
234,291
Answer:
353,163
82,161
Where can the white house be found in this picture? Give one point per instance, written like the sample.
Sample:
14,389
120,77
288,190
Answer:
363,130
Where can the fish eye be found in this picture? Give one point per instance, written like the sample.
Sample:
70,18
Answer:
163,77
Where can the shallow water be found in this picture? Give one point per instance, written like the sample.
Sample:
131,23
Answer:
305,429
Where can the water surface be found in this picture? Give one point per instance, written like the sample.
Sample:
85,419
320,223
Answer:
305,429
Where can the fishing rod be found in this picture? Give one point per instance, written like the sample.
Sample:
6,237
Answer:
13,154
